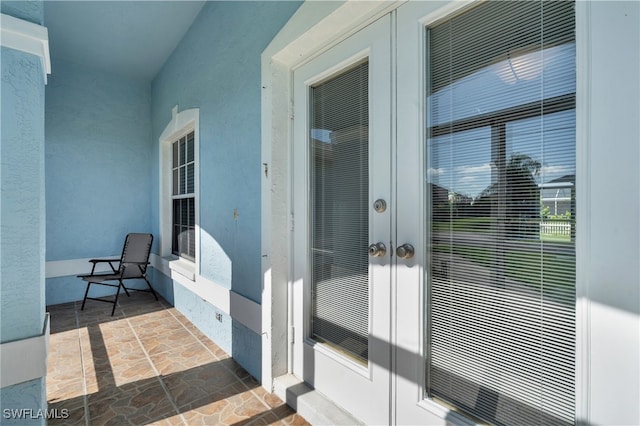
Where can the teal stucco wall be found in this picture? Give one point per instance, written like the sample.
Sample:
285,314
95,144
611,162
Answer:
98,154
22,209
217,69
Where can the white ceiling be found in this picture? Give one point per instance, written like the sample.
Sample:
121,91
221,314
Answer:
130,38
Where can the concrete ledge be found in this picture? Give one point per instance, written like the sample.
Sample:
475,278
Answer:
66,268
26,359
311,404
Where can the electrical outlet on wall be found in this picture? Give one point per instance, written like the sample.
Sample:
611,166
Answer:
219,316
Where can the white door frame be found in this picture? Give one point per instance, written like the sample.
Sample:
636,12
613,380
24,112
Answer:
315,27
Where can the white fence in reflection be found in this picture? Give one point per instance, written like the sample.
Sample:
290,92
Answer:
555,228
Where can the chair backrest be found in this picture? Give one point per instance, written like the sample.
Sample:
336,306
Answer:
137,248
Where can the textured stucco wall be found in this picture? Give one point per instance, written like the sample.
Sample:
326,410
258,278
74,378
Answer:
28,10
98,155
203,315
22,207
216,68
25,403
22,197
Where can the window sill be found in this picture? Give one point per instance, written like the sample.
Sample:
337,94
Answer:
183,267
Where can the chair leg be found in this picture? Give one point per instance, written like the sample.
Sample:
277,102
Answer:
151,288
126,291
86,293
115,302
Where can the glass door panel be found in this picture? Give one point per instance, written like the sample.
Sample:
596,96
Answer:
501,279
340,212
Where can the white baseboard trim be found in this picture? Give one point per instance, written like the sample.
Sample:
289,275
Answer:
26,359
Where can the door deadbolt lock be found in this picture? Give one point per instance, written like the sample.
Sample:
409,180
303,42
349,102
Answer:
405,251
380,205
377,250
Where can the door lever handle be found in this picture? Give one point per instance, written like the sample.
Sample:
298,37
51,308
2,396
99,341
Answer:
405,251
377,250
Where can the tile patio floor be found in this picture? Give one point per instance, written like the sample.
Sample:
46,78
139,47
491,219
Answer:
148,365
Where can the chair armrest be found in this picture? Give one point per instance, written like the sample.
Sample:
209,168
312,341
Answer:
109,261
104,260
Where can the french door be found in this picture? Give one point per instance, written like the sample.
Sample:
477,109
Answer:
432,281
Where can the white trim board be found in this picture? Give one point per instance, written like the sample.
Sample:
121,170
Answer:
26,37
26,359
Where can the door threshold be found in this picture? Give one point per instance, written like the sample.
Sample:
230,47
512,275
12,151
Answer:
316,408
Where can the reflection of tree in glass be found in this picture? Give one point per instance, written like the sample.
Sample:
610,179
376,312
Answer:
523,195
517,206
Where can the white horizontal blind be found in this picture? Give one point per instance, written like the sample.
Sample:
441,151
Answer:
339,171
501,173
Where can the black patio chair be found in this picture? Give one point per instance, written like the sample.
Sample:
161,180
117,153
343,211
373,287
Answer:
132,266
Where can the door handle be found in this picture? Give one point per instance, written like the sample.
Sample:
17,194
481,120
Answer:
405,251
377,250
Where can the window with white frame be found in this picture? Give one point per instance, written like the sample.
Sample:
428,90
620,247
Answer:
179,192
183,197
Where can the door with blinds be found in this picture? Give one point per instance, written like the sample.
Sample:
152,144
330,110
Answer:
342,188
434,216
486,102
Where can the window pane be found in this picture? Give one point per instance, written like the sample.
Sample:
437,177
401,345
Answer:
176,226
191,218
176,185
176,212
190,178
184,228
176,160
339,210
500,156
183,151
184,212
190,143
183,240
183,180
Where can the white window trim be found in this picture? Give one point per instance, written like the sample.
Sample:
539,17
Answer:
181,124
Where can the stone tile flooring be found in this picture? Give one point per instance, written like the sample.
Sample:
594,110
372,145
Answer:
148,365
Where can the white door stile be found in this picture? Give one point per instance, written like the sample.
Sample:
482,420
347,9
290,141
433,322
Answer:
363,390
391,388
410,322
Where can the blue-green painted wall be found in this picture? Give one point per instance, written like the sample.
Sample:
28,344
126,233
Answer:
22,207
102,158
98,157
216,68
28,10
